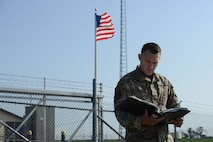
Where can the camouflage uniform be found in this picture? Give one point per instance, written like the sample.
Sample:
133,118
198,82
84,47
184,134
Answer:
157,90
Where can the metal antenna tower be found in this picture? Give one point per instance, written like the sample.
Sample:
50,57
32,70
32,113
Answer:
123,48
123,40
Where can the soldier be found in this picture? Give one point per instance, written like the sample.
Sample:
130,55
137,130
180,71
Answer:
148,85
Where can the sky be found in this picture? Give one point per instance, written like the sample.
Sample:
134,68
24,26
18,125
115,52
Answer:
55,39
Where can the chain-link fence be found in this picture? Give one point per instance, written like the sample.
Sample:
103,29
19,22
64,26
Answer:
46,110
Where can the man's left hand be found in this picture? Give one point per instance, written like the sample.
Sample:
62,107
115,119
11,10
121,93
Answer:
178,122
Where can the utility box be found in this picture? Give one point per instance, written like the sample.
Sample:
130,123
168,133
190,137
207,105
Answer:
41,123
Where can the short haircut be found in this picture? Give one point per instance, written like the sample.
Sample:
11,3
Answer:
152,47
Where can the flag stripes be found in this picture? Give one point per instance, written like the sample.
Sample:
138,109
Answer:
104,27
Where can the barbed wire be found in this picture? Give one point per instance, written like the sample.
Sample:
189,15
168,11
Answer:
10,80
7,80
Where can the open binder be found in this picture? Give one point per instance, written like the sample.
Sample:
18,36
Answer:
137,106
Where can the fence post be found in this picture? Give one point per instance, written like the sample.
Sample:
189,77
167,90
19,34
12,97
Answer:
94,138
62,136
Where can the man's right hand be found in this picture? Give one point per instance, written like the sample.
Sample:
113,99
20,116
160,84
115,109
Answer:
147,120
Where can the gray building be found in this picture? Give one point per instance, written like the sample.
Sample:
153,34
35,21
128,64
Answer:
41,123
13,121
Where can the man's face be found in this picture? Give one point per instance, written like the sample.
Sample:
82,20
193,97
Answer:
149,62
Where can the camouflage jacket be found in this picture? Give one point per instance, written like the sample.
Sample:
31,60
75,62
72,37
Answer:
157,90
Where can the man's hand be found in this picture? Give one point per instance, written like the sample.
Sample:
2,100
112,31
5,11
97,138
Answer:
148,120
178,122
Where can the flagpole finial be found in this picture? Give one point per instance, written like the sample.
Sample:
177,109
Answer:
96,9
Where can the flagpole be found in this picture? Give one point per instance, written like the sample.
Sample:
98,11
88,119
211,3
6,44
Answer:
95,47
94,88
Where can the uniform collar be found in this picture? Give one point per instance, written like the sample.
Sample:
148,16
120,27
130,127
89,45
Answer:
143,77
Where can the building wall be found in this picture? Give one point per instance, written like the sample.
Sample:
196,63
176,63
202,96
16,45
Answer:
37,123
6,116
11,120
1,133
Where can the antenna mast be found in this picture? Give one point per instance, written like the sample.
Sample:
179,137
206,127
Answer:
123,48
123,40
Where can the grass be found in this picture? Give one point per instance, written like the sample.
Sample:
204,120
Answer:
179,140
196,140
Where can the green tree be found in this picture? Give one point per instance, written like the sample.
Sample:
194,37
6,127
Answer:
199,131
191,132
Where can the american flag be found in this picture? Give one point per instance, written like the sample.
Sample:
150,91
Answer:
104,27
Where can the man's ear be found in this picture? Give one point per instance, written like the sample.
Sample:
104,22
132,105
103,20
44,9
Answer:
139,56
